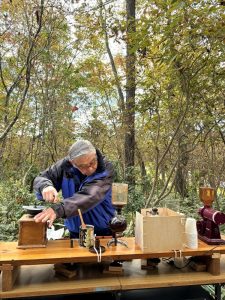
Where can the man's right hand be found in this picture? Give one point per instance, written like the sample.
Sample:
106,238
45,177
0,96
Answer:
50,194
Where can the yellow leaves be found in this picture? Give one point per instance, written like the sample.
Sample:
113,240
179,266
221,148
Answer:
120,61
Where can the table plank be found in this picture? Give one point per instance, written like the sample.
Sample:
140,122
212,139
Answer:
60,251
42,281
166,276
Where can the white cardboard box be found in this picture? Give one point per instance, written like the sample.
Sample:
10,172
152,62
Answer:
162,232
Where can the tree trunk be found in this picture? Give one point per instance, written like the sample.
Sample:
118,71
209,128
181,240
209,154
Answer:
181,174
130,95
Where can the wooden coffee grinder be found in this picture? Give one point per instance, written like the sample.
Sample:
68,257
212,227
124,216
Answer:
31,234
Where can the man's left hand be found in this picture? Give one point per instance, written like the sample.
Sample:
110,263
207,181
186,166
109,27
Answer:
47,215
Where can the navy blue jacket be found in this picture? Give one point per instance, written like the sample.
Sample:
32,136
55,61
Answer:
90,194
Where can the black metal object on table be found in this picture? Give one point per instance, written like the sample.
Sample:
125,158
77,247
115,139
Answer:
33,209
117,225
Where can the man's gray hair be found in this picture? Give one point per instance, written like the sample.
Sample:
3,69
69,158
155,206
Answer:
80,148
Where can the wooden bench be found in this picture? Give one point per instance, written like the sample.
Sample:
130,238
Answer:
43,259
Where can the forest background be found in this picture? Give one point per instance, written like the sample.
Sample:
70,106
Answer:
143,80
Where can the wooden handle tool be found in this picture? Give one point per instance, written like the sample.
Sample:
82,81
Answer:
83,225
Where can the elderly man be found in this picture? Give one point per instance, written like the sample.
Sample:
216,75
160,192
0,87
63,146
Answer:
85,179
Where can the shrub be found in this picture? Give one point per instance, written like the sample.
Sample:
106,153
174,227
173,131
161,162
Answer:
13,195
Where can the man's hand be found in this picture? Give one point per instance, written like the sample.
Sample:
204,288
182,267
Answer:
47,215
50,194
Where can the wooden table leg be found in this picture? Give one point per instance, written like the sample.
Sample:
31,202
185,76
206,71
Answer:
9,274
213,264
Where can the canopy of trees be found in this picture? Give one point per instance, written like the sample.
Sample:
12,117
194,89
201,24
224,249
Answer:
144,81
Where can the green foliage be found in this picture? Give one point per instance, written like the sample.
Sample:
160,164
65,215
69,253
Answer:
118,175
179,112
189,206
13,195
136,201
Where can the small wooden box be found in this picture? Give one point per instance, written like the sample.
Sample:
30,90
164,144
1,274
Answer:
31,234
162,232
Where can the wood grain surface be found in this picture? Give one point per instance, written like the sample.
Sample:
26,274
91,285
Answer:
42,280
59,251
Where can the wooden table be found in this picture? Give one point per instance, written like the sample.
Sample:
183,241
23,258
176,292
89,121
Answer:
37,277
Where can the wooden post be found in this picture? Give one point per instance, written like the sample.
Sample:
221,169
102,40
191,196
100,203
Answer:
9,274
213,264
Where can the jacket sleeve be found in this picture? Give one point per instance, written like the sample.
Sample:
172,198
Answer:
91,194
50,177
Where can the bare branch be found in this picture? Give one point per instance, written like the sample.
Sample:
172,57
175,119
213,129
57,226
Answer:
27,75
115,73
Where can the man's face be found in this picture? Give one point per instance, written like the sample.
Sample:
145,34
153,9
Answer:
87,164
